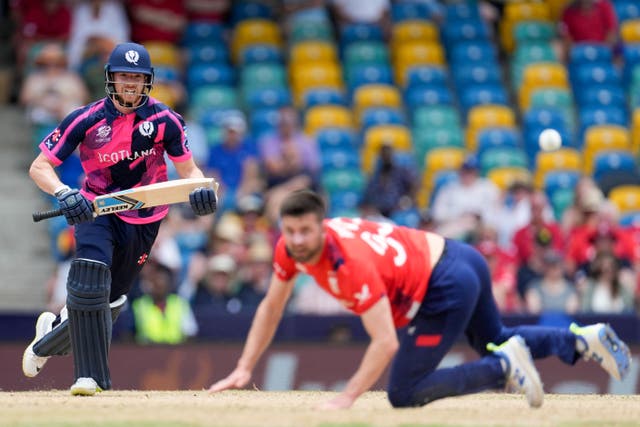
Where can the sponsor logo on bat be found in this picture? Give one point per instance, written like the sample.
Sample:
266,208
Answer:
118,204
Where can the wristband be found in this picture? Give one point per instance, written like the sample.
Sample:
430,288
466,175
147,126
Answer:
61,190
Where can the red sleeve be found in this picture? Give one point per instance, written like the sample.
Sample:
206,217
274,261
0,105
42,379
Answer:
283,266
608,15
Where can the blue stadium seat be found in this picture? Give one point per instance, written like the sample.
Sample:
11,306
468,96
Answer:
482,94
559,180
368,74
210,74
595,74
263,121
379,116
343,201
626,9
323,96
459,31
360,32
206,53
261,54
497,137
260,98
165,74
584,53
419,96
197,32
601,96
405,11
330,138
613,161
474,51
242,10
544,117
441,180
475,74
338,158
631,58
462,11
589,116
426,75
409,217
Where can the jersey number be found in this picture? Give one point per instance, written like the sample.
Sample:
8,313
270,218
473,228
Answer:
380,241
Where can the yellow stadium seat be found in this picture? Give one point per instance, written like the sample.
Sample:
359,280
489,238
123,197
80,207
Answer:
414,30
504,177
314,75
376,95
322,116
165,93
604,137
541,75
562,159
626,198
313,51
163,54
440,159
413,54
398,136
486,116
635,131
515,12
556,7
630,31
254,31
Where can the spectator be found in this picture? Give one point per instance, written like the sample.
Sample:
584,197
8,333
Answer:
157,20
604,290
392,186
94,57
234,162
459,206
255,274
207,10
592,21
291,160
39,21
161,317
51,91
503,276
540,219
587,199
303,10
513,212
552,293
534,267
92,19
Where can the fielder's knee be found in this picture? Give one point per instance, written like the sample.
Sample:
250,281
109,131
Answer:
399,398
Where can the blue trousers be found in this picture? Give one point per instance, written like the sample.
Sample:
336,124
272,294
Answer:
459,301
122,246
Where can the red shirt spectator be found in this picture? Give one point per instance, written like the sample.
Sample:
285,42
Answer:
43,20
583,245
589,21
503,276
207,10
157,20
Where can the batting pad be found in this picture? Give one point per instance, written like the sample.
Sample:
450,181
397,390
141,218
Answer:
58,343
88,287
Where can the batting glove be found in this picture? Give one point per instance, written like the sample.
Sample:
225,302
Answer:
203,200
75,207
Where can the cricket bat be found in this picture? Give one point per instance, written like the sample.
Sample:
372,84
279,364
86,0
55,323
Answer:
145,196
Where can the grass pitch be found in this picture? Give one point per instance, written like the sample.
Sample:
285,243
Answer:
296,408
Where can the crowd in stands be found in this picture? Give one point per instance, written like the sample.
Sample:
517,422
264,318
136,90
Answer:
425,113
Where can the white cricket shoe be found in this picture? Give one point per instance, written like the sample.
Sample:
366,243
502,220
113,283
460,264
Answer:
603,346
85,386
31,362
521,373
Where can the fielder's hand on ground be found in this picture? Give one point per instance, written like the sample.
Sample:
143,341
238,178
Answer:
341,401
236,379
75,207
203,200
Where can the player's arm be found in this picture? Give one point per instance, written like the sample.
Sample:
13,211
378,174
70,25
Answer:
263,328
43,173
188,169
378,323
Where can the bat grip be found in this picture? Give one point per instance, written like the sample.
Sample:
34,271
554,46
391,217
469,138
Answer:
39,216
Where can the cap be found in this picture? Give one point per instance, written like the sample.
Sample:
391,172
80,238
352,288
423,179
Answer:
250,203
470,163
592,200
51,53
234,122
260,251
222,263
543,237
230,228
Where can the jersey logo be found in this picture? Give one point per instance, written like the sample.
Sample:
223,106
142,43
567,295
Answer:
132,57
363,295
146,128
103,134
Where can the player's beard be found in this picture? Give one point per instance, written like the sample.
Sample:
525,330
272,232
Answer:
305,254
129,99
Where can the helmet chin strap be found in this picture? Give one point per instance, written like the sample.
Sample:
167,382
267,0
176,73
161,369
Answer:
117,98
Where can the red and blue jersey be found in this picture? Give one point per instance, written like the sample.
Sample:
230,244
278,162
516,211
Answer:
364,261
121,151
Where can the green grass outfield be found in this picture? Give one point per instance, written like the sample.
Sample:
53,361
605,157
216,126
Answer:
296,409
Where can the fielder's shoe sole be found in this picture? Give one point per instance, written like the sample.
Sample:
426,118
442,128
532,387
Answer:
85,386
31,362
603,346
522,375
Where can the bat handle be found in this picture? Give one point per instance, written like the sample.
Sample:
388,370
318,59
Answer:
39,216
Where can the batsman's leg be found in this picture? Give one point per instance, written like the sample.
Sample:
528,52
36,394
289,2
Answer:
88,287
55,341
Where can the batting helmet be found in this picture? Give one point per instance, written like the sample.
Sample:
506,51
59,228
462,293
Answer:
128,58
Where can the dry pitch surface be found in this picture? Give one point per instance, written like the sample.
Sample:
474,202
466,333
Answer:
259,408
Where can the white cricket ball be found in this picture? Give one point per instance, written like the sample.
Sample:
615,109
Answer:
549,140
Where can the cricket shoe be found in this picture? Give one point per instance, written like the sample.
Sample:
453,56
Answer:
31,362
85,386
521,373
602,345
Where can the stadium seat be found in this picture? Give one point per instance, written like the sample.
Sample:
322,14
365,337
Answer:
263,121
254,31
473,51
313,51
426,75
420,96
164,54
365,52
555,180
218,97
207,53
398,136
475,74
413,30
263,76
462,11
601,96
630,31
337,158
265,98
585,53
435,116
323,116
244,10
197,32
425,140
438,161
359,75
626,198
261,54
321,96
356,32
499,157
487,116
380,116
533,31
461,31
305,31
504,176
336,138
604,138
515,12
376,95
335,180
495,137
564,159
410,11
594,74
613,161
482,95
209,74
416,54
626,9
